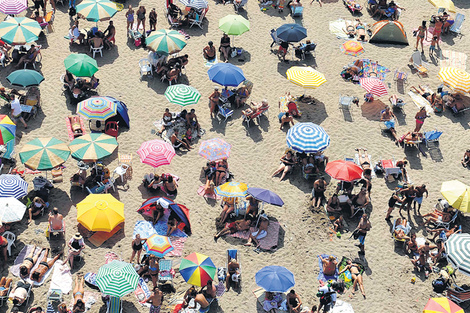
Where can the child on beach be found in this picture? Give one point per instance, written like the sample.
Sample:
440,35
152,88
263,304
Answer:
338,226
432,47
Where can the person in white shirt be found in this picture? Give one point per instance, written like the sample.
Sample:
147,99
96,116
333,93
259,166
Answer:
16,108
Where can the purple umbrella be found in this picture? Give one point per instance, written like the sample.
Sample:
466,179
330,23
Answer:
265,195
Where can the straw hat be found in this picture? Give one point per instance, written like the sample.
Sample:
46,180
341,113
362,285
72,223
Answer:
77,236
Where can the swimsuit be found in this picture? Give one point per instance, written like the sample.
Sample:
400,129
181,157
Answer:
137,247
130,17
78,293
390,124
29,259
45,264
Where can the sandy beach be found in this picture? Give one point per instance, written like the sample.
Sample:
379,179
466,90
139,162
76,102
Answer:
305,232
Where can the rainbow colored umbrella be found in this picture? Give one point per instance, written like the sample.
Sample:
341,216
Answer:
158,245
156,153
441,305
96,10
215,149
197,269
44,153
93,147
352,47
7,129
232,189
19,30
97,108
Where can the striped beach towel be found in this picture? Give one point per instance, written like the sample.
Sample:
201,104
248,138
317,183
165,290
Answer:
453,59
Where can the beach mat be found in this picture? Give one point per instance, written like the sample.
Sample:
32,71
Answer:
453,59
15,269
144,229
162,226
267,243
61,277
373,110
321,276
337,28
178,246
44,278
211,62
200,192
142,292
100,237
283,105
420,101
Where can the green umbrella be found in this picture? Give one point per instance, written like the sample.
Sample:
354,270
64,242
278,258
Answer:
166,41
93,147
117,278
234,25
19,30
81,65
25,78
96,10
182,94
44,153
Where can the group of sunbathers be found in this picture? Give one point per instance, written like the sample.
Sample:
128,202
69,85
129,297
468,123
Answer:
43,267
442,99
311,163
356,29
194,299
79,87
381,8
187,121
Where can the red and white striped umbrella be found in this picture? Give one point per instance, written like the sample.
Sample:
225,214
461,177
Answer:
374,86
156,153
13,6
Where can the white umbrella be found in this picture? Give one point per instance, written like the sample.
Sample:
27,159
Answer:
11,210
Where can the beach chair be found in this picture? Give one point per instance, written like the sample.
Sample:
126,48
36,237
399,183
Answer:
441,224
400,77
36,59
224,111
97,50
233,254
4,298
173,22
345,102
276,41
126,159
112,129
55,232
114,305
145,68
297,11
10,237
418,64
353,6
255,116
411,143
432,136
308,176
389,168
238,6
399,240
198,19
456,28
55,295
458,294
164,271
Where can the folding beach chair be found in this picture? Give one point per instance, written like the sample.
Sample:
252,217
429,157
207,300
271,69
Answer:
225,112
458,294
456,28
55,295
164,272
440,224
276,41
345,102
198,19
233,254
417,63
389,168
400,240
432,136
114,305
4,298
55,232
400,77
297,11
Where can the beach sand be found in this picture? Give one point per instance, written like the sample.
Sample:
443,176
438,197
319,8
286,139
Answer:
255,155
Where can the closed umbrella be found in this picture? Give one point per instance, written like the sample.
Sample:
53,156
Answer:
226,74
166,41
19,30
308,138
11,210
441,305
455,78
156,153
275,278
12,186
7,129
92,147
215,149
197,4
344,170
13,7
81,65
182,94
100,212
458,252
25,78
305,77
158,245
352,47
457,194
448,5
266,196
96,10
197,269
374,86
117,278
44,153
232,189
234,25
97,108
291,32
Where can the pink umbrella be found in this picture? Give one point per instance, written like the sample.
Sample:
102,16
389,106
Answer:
156,153
13,6
374,86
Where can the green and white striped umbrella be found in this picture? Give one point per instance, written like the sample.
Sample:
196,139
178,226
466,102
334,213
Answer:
44,153
96,10
117,279
166,41
458,252
92,147
19,30
182,94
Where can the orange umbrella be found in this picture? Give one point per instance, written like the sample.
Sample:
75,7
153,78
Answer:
352,47
441,305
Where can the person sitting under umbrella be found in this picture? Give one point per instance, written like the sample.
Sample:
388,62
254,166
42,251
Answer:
253,206
36,208
259,234
30,56
173,223
225,47
75,34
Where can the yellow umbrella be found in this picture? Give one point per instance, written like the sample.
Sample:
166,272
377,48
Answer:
457,194
305,77
446,4
455,78
441,305
100,212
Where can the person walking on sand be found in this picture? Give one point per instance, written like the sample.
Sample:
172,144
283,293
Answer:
319,2
362,228
422,33
420,191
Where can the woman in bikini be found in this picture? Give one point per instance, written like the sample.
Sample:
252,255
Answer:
130,17
401,228
422,33
229,207
153,269
356,276
170,186
78,291
420,117
44,266
286,164
137,245
29,262
360,31
221,169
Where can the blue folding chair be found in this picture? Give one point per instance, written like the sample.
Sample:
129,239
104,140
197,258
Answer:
297,11
432,136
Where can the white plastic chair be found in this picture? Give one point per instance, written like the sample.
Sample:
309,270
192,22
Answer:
10,237
95,50
145,67
121,171
2,59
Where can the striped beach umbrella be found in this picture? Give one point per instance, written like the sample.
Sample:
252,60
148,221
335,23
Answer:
12,186
457,194
81,65
197,269
458,252
234,25
308,138
455,78
442,305
7,129
156,153
166,41
182,94
11,210
305,77
13,7
100,212
215,149
19,30
117,279
158,245
374,86
352,47
92,147
44,153
232,189
25,78
197,4
96,10
97,108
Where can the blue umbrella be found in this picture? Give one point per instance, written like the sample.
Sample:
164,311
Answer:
122,116
275,278
226,74
291,32
308,138
265,195
25,78
12,186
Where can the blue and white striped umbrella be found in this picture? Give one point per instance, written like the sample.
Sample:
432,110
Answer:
197,4
458,252
308,138
12,186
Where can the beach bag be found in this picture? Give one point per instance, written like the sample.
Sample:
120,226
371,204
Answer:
439,285
233,53
137,42
356,234
72,11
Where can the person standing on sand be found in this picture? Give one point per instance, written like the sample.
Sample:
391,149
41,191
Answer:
362,228
422,33
130,17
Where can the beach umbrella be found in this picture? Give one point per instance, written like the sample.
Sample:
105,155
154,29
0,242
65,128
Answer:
441,305
158,245
234,25
374,86
291,32
81,65
308,138
12,186
97,108
457,194
305,77
455,78
448,5
11,210
166,41
100,212
25,78
156,153
7,129
226,74
458,252
197,269
265,195
44,153
19,30
92,147
215,149
147,206
197,4
122,116
275,278
96,10
352,47
13,7
344,170
232,189
117,279
182,94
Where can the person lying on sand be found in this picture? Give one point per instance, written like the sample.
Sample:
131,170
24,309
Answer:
233,227
356,276
389,121
44,266
329,265
78,291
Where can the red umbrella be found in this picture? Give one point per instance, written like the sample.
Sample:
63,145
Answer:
343,170
374,86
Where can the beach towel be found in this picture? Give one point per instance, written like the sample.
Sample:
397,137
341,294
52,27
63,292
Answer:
453,59
15,269
90,280
373,69
342,307
178,246
283,105
161,227
46,275
337,28
89,297
213,196
142,292
346,275
420,101
144,229
220,289
61,277
356,160
321,276
267,243
209,63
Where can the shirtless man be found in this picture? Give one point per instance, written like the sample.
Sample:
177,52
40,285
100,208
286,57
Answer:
192,121
55,220
44,266
232,272
319,187
389,120
361,200
444,233
96,42
434,218
29,262
422,260
410,195
233,228
329,265
420,191
155,300
176,142
204,296
466,159
260,233
362,228
209,51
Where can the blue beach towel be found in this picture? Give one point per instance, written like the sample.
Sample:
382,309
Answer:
321,276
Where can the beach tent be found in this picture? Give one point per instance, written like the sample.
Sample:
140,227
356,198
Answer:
122,115
391,32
